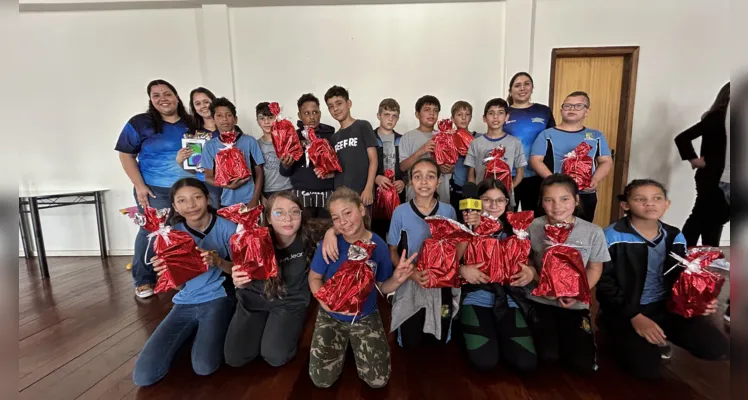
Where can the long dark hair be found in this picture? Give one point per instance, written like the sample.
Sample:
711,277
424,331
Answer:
493,183
720,103
427,161
197,119
509,99
563,180
174,218
156,119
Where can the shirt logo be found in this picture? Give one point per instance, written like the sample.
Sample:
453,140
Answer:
511,121
539,120
352,142
589,136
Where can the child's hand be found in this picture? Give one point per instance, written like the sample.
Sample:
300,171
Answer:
210,258
524,276
383,181
446,169
319,174
399,186
240,278
367,197
472,218
158,265
471,274
287,161
711,308
237,183
183,154
419,277
566,302
330,247
648,329
427,147
405,269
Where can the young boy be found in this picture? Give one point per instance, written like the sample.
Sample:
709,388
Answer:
355,145
274,181
462,114
553,144
388,156
418,144
248,190
495,113
312,190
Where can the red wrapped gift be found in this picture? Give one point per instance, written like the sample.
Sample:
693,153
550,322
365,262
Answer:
462,139
347,290
251,245
445,151
176,248
497,168
517,247
438,255
696,287
285,139
387,198
578,165
230,162
486,249
320,153
563,273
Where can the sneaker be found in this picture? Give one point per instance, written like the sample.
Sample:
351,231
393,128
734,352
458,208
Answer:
727,314
144,291
666,352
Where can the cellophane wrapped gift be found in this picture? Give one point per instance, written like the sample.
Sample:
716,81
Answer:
283,133
578,165
387,198
697,286
347,290
563,273
516,248
462,139
497,168
438,255
321,153
230,161
251,246
486,249
445,151
176,248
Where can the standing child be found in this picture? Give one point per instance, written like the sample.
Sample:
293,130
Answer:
462,114
388,156
201,306
248,190
366,334
633,290
273,180
495,113
355,145
563,330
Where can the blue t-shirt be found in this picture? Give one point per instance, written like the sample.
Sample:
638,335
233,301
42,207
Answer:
526,124
251,150
157,152
654,282
408,229
460,173
559,143
209,285
381,256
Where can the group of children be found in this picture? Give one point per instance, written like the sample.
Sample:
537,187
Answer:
625,262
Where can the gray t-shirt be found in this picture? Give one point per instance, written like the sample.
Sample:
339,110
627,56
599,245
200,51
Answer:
273,180
481,147
388,151
586,237
409,144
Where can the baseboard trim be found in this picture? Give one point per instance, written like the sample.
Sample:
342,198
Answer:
81,253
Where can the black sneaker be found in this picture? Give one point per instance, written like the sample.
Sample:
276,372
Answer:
727,314
666,352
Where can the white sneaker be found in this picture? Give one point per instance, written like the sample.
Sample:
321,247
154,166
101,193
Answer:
144,291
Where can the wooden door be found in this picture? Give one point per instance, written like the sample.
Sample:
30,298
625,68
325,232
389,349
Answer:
606,79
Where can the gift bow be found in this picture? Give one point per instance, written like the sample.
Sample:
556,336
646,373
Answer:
446,126
389,174
497,153
309,135
154,220
693,266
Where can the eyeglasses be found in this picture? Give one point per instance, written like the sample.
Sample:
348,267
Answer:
499,201
575,107
281,214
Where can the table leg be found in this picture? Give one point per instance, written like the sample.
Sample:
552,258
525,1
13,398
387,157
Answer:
41,253
23,223
100,223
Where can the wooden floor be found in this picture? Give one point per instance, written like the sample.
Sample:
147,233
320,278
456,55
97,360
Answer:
80,333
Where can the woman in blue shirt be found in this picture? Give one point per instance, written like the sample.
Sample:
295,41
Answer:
148,146
201,306
525,121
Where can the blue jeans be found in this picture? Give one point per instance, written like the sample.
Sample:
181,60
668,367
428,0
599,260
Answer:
142,273
215,195
211,320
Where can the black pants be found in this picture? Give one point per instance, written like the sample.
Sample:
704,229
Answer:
411,333
273,334
697,335
566,336
527,194
588,203
709,215
487,339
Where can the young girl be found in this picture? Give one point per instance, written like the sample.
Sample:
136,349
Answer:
493,315
632,291
562,329
201,306
333,331
269,316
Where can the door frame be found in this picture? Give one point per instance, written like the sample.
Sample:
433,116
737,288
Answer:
626,113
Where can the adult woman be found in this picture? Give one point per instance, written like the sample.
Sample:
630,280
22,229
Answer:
147,147
711,210
525,121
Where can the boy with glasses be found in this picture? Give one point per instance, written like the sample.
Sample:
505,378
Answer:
549,149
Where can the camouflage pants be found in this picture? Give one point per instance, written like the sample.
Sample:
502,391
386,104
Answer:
368,341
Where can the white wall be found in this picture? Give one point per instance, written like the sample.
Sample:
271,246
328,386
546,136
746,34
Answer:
684,60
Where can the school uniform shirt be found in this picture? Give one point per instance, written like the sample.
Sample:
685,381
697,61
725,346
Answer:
654,282
351,145
526,124
554,144
383,271
412,141
481,147
460,173
156,152
273,181
252,154
586,237
209,285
